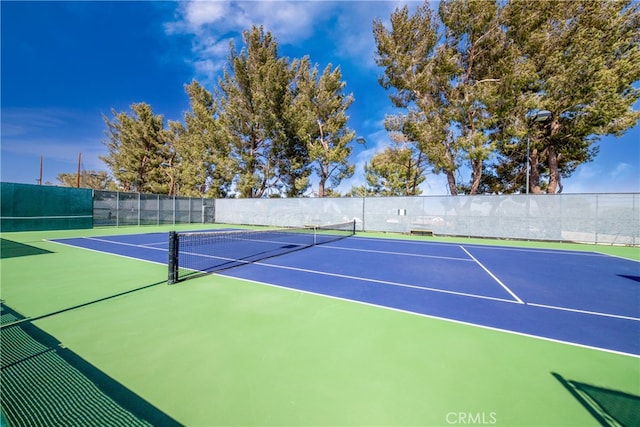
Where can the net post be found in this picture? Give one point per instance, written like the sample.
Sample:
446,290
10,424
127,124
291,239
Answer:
353,231
173,258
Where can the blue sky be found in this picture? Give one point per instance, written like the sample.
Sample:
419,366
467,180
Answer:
65,64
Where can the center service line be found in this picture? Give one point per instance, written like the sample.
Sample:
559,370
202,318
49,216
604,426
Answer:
493,276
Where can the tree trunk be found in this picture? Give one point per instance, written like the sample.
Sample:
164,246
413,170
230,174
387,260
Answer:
450,169
554,173
534,172
321,187
476,175
451,180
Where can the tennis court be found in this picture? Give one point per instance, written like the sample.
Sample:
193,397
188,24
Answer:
362,330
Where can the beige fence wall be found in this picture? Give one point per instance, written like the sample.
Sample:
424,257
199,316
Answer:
591,218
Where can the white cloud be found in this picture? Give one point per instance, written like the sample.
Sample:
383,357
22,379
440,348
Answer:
620,170
192,16
210,55
207,67
199,13
213,47
601,178
343,28
213,24
353,36
290,22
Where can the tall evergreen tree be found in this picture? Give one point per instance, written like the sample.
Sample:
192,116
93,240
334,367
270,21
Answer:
476,45
468,90
448,82
98,180
137,150
580,61
407,51
320,107
204,165
396,171
251,97
297,119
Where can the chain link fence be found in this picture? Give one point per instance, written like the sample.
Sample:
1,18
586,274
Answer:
119,208
590,218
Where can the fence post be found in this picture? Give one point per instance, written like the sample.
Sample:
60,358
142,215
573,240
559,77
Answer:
363,210
635,214
139,209
597,225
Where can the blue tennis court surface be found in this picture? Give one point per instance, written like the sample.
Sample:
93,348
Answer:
581,298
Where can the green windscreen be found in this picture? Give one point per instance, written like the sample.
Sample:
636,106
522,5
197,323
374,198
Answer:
26,207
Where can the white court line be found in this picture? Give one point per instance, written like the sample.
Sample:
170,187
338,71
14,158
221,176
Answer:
157,244
593,313
493,276
107,253
362,279
618,257
431,316
555,251
637,356
394,253
383,282
345,276
358,278
127,244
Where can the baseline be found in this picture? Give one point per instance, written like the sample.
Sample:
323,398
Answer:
575,310
441,317
114,242
408,254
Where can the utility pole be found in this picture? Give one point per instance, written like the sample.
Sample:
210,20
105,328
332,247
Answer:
78,175
40,179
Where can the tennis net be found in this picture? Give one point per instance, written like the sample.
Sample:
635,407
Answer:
196,253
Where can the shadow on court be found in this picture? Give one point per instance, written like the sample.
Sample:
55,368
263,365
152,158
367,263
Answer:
22,319
44,383
634,278
11,249
608,407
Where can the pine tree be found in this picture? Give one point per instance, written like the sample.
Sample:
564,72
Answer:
579,61
98,180
449,81
411,68
291,146
204,165
320,107
396,171
251,98
137,150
